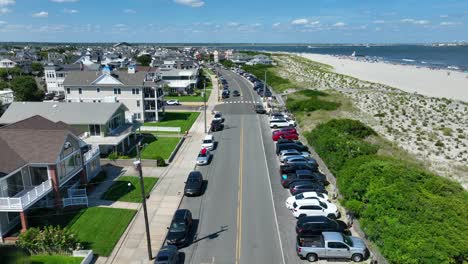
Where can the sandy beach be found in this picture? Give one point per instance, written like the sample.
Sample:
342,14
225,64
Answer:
425,81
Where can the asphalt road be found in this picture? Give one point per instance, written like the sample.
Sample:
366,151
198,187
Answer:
235,217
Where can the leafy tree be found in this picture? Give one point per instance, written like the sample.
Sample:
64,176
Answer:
37,67
25,89
4,85
12,72
144,60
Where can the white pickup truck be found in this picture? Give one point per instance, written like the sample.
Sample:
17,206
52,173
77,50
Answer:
331,245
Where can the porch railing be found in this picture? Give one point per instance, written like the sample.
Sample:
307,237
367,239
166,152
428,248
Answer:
26,199
92,152
75,201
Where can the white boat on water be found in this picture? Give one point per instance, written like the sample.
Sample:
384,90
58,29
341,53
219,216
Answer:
310,47
354,54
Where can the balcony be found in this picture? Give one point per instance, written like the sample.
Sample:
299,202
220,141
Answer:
92,152
26,198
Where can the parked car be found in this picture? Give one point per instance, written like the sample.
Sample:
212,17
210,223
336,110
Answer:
315,225
306,196
288,168
216,125
180,228
284,154
284,141
204,157
167,255
331,245
259,109
225,94
299,159
218,117
296,146
291,130
208,142
194,184
282,123
235,93
277,134
312,207
172,102
299,175
306,186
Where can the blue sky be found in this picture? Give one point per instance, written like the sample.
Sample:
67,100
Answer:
219,21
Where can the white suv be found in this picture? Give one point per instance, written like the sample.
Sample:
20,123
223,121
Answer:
312,207
279,123
306,196
208,142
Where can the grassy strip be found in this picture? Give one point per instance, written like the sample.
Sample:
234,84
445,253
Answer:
100,228
191,98
312,101
184,120
127,189
155,147
273,79
413,216
46,259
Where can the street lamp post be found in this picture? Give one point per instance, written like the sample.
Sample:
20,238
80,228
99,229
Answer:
204,100
137,164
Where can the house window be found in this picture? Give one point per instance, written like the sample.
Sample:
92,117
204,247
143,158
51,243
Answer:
94,101
80,91
133,91
68,90
98,101
138,103
115,91
98,90
119,91
137,91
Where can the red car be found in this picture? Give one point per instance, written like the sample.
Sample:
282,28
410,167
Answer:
290,130
279,134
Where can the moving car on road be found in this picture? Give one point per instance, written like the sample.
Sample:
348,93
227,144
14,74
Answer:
259,109
180,228
306,196
235,93
194,184
331,245
311,207
208,142
172,102
315,225
167,255
204,157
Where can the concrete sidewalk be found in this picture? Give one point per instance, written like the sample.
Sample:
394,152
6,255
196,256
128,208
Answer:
164,200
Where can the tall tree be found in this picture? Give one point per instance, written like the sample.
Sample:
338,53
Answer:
25,89
144,60
37,68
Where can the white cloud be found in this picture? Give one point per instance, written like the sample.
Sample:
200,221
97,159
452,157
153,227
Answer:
379,22
191,3
300,21
2,22
64,1
4,10
449,23
7,2
41,14
339,24
276,24
443,16
415,22
233,24
70,11
129,11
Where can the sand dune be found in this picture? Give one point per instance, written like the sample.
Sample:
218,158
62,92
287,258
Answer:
425,81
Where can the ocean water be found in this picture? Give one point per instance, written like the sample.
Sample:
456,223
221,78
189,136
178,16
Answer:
446,57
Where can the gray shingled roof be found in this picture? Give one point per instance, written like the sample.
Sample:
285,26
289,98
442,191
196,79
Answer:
70,113
88,77
33,140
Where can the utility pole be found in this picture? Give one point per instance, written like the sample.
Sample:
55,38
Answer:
137,164
204,100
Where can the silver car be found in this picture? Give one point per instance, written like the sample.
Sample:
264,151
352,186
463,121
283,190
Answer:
204,157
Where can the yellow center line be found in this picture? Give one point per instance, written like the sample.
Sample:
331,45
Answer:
239,195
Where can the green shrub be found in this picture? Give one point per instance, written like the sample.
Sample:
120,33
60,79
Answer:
412,215
160,161
312,103
50,240
113,156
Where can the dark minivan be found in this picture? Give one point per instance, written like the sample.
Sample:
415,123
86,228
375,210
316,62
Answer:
315,225
194,184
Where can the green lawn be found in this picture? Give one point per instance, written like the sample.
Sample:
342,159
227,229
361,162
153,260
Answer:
101,228
190,98
46,259
155,147
184,120
121,191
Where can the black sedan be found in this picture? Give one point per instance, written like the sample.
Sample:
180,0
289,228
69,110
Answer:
167,255
259,109
315,225
216,125
194,184
180,229
235,93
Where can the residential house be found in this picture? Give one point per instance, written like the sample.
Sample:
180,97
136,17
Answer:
55,76
6,96
42,164
7,63
141,92
100,125
260,59
180,81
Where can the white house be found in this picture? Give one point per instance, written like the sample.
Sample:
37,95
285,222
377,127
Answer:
6,97
141,92
7,63
180,80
